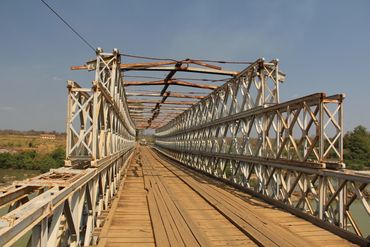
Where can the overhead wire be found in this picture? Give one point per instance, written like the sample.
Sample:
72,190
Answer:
69,26
132,55
86,42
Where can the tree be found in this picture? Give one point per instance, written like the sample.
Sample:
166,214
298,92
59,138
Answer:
357,148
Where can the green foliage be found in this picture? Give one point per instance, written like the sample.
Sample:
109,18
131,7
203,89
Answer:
357,148
31,160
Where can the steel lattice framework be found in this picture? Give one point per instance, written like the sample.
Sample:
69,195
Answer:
241,134
98,122
66,205
290,154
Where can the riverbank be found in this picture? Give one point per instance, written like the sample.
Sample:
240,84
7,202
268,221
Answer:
8,176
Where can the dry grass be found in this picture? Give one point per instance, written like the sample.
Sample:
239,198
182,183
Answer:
21,142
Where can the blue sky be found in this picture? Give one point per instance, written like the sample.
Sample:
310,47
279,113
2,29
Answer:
323,46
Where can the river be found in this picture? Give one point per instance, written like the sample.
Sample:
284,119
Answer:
7,176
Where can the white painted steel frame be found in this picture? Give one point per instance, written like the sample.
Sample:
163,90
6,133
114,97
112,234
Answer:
294,132
63,211
65,206
241,134
98,121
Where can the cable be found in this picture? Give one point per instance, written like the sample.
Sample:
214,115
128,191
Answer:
131,55
70,27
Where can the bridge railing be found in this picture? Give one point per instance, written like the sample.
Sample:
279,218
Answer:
295,132
66,206
278,151
62,207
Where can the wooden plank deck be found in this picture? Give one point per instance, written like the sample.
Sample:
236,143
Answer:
162,204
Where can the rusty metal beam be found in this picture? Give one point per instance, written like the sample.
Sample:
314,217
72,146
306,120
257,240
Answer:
183,69
148,112
171,82
157,92
162,107
151,112
155,102
168,94
163,93
158,66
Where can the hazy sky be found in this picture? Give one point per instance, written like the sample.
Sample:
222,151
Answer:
323,46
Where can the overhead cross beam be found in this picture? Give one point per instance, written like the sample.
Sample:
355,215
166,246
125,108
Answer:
172,66
130,101
183,69
170,82
160,66
168,94
162,107
163,93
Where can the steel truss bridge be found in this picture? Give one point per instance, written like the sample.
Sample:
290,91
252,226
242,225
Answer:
231,164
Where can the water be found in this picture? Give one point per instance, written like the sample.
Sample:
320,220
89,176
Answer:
8,176
361,217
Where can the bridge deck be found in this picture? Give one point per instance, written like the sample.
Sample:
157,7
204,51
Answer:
163,204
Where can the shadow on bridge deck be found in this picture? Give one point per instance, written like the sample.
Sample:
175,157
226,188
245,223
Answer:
164,204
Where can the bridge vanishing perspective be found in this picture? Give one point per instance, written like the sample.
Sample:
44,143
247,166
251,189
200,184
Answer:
231,165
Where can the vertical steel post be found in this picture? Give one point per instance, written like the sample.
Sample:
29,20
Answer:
322,196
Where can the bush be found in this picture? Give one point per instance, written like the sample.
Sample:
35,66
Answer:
357,148
31,160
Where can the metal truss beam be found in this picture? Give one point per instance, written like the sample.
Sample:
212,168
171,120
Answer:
168,94
243,135
98,122
162,107
159,102
171,82
156,67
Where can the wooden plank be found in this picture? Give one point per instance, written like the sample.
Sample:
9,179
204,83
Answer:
162,177
257,234
160,235
189,229
129,222
173,206
236,207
